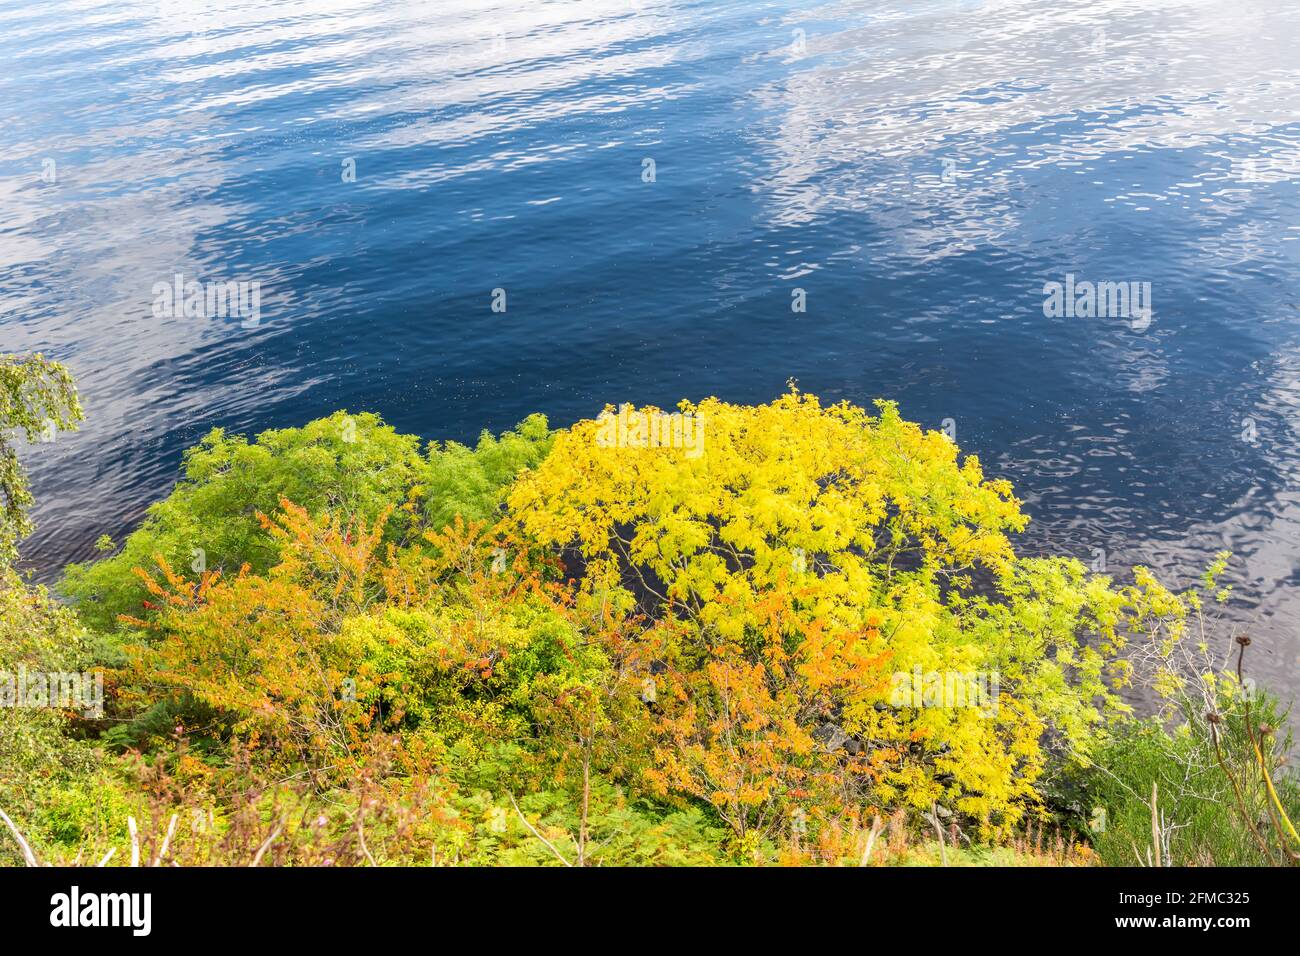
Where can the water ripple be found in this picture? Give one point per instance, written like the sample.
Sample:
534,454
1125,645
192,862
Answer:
918,169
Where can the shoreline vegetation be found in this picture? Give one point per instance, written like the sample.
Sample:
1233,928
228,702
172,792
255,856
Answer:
784,634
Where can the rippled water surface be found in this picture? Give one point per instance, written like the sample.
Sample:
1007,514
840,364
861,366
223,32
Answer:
919,169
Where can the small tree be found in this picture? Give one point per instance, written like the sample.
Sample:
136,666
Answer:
38,397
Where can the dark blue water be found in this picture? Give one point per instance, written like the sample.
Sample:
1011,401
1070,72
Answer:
918,169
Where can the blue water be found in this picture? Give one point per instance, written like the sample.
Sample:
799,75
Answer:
919,169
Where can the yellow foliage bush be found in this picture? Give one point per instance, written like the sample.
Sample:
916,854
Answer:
805,573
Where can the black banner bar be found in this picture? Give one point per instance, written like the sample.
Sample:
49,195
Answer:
352,906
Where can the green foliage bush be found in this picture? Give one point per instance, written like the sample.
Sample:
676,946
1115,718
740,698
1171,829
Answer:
55,782
349,465
1193,794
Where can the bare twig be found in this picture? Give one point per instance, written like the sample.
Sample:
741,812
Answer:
550,846
876,825
934,818
1236,790
1155,824
135,841
257,858
167,840
28,855
361,835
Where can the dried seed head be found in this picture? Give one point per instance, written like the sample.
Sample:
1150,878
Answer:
1265,730
1213,718
1243,640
